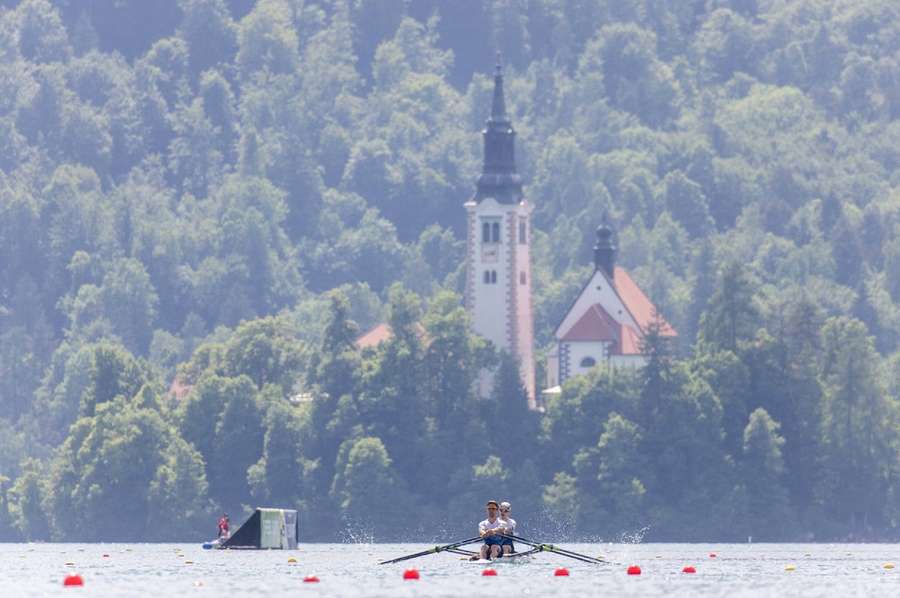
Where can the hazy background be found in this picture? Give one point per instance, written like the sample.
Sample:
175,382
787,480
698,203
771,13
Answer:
233,190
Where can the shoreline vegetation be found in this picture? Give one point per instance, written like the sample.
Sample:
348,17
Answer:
203,203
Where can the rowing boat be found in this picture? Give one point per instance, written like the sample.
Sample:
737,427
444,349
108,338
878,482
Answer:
534,547
501,561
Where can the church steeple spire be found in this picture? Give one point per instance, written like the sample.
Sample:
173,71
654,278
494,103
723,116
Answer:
498,103
499,178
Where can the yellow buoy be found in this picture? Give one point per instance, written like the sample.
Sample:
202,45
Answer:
790,568
292,560
889,565
189,562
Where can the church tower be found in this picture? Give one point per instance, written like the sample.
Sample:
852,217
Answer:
498,249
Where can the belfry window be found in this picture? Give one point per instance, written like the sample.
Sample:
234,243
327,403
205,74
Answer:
490,230
493,277
487,277
523,229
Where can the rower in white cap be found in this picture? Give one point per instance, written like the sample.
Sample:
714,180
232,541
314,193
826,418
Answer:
509,528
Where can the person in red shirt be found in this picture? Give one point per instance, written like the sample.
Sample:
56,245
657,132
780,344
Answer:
223,526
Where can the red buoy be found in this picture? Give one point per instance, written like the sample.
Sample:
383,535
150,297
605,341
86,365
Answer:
311,579
561,572
712,555
73,580
634,570
688,569
488,572
411,574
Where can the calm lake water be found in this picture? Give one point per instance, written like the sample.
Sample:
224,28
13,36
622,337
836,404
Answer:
834,570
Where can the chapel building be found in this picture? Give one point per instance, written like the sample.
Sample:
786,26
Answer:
606,323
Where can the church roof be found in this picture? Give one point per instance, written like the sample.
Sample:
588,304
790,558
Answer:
631,341
594,325
637,303
597,324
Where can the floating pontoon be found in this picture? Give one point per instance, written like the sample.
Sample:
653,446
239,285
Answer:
268,529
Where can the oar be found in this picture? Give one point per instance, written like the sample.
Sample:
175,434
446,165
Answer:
572,554
561,551
558,550
434,550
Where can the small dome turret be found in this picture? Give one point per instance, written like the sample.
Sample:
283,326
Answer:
605,250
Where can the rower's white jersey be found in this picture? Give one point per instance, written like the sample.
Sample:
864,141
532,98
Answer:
509,524
487,524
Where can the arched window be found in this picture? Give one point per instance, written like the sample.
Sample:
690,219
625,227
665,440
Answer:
487,277
522,229
495,232
522,278
493,277
588,362
486,232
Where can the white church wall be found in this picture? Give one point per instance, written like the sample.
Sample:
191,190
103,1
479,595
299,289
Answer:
577,351
627,361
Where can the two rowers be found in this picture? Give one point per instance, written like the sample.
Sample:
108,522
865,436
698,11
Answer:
494,530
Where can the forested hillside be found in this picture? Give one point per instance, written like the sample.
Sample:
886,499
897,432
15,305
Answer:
222,194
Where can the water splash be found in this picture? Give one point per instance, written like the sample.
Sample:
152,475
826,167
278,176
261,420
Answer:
356,532
634,537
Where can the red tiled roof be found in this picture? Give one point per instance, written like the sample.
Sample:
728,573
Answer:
637,303
179,389
631,341
381,333
375,336
594,325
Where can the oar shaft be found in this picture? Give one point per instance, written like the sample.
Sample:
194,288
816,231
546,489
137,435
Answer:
434,550
557,550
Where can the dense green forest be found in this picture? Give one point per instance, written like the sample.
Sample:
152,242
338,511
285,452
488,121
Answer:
227,192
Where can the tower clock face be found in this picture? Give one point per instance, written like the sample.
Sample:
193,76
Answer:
490,254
